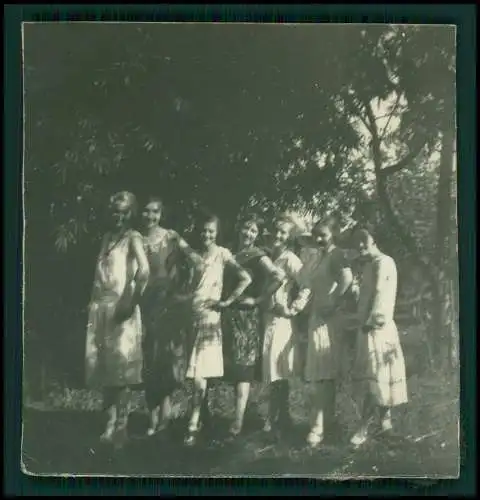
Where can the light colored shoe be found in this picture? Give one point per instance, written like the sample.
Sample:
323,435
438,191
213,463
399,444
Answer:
360,437
235,429
314,439
107,436
192,434
267,426
151,431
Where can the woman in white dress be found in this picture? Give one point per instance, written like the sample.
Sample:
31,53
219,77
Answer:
380,365
114,332
205,355
278,366
329,277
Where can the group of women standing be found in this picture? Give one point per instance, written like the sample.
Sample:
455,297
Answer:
163,311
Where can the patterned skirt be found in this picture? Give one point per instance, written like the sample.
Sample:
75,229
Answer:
380,364
204,350
242,344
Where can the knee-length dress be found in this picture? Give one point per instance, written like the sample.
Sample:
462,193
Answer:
164,342
114,350
380,360
242,328
205,352
325,342
279,344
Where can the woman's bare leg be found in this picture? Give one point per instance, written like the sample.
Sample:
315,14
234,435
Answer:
123,413
280,394
323,414
166,411
199,393
385,415
242,391
368,414
110,397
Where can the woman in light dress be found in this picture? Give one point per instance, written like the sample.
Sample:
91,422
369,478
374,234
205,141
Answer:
205,353
380,365
329,277
242,322
164,342
278,360
114,332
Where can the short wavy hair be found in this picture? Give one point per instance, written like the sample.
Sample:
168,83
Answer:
127,198
252,218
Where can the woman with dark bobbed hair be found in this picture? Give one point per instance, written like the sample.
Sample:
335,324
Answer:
243,333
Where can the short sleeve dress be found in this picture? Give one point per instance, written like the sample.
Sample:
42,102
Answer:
325,339
205,347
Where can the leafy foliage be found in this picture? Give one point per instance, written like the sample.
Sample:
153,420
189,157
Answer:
233,117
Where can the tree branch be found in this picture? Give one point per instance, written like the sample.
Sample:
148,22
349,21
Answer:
406,238
403,163
384,131
354,110
377,157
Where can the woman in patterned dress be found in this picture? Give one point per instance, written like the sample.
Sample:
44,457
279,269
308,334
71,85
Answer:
205,353
242,329
114,331
380,365
163,348
278,357
329,277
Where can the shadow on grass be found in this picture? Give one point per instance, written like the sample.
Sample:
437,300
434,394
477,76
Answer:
66,442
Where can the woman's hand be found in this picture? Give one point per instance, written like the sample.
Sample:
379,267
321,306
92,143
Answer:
282,311
379,321
216,305
250,302
223,304
123,311
367,329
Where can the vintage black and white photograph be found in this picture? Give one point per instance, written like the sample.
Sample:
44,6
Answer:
241,252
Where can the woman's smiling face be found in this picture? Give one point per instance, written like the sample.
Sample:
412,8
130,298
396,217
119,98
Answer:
248,234
322,235
282,233
151,215
120,212
209,233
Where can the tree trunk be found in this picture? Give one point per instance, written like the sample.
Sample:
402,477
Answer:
427,268
444,321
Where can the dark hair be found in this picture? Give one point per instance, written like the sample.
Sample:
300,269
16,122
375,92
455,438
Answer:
154,199
205,216
202,217
331,222
252,218
363,233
